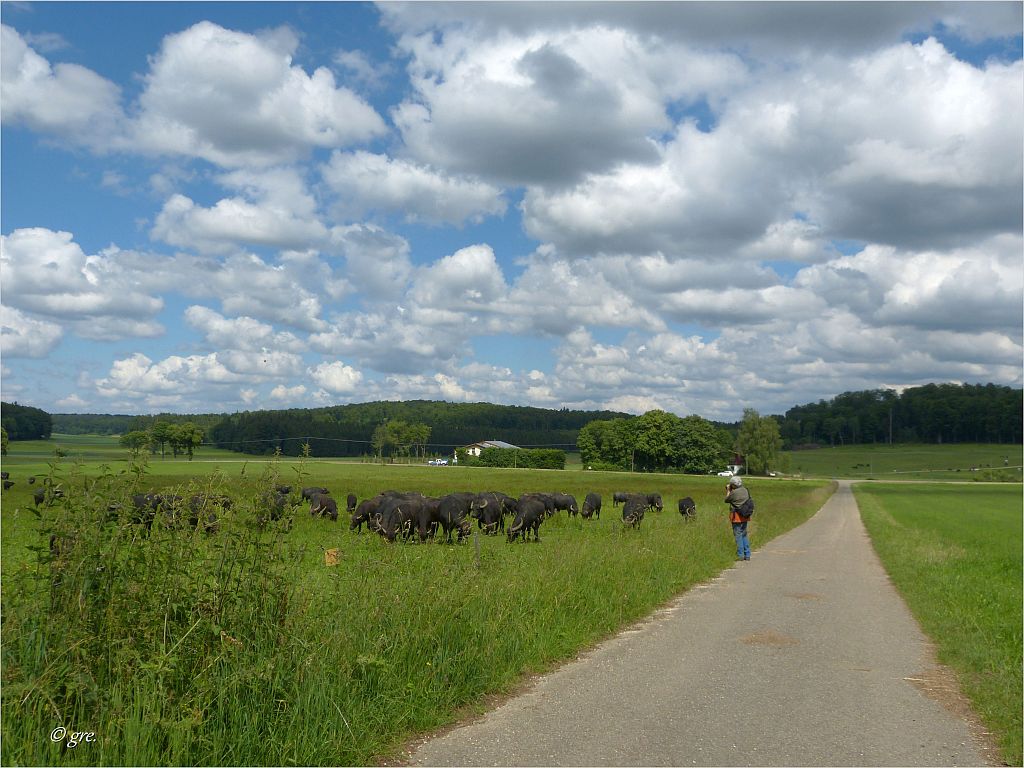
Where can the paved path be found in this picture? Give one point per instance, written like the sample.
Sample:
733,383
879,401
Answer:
805,655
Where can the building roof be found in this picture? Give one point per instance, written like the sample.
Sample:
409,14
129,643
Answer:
492,444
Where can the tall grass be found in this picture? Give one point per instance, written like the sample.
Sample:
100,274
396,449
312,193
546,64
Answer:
955,555
244,648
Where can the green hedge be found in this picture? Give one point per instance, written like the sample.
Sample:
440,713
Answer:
528,458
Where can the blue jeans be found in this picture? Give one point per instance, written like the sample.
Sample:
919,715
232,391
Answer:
739,530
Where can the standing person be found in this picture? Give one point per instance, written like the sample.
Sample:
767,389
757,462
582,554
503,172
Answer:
735,496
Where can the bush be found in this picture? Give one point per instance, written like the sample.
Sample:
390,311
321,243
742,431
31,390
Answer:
523,458
148,639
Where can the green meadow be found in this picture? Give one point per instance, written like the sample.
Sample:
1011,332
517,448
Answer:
962,462
954,553
244,647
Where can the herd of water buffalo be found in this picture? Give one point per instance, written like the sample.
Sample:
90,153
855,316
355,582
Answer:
407,514
394,514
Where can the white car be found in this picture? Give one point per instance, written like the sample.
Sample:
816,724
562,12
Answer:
438,462
725,473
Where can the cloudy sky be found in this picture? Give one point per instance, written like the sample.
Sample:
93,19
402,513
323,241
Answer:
698,207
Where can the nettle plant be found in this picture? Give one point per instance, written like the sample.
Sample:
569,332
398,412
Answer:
141,621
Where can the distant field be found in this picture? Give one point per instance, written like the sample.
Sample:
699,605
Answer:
955,555
960,462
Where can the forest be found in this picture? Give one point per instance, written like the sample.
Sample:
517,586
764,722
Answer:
348,430
23,422
933,413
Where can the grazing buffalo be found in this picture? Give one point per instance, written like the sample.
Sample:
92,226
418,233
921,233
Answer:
365,513
350,503
46,494
146,506
619,497
530,513
453,514
591,506
687,508
565,502
8,484
633,509
274,503
5,475
545,498
309,493
203,508
654,502
399,515
489,511
322,505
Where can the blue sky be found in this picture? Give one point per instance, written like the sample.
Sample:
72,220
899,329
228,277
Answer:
699,207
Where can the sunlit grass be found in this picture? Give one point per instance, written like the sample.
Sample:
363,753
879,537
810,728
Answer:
957,462
245,648
954,553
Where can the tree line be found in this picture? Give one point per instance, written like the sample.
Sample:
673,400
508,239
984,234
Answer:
183,437
120,424
662,442
362,428
23,422
933,413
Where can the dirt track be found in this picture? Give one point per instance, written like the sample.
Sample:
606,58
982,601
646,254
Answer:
805,655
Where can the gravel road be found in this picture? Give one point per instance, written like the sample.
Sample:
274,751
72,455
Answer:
806,655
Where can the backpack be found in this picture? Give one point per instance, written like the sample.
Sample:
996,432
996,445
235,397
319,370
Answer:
746,508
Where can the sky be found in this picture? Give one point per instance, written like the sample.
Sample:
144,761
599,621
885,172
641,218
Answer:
696,207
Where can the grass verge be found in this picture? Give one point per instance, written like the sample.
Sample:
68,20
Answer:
954,553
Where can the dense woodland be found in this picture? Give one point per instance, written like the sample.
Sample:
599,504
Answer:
119,424
348,430
934,413
23,422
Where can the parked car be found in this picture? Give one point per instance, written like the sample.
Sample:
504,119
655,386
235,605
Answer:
438,462
725,473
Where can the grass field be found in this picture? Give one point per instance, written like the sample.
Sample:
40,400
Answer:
245,648
958,462
954,553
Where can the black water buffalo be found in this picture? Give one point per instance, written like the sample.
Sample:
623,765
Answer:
322,505
565,502
350,503
654,502
274,503
146,507
5,475
545,498
40,495
633,509
8,484
591,506
309,493
530,513
488,509
203,509
399,515
687,508
618,497
453,514
365,512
